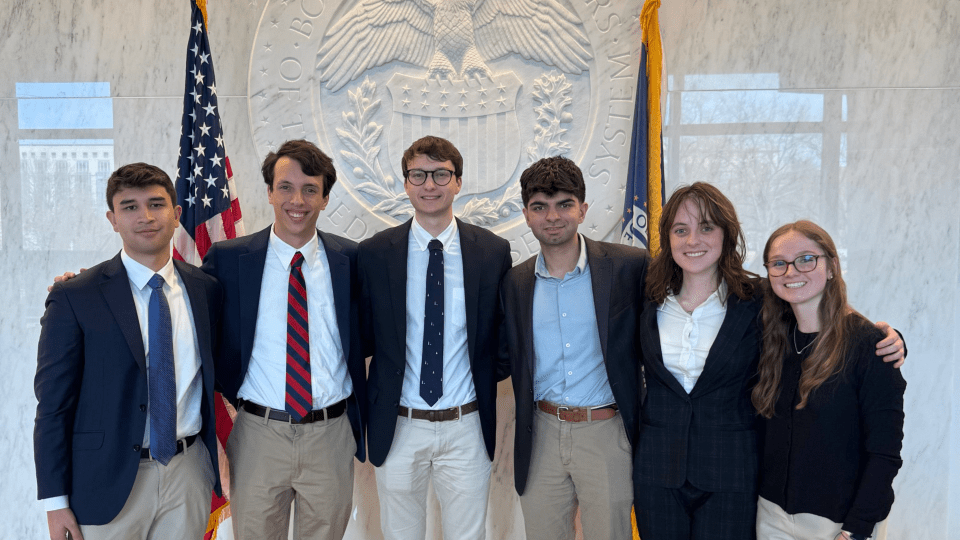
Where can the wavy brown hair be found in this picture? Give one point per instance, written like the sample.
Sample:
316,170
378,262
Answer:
829,347
665,276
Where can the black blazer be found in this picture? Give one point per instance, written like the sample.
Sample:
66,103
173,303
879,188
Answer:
617,274
238,264
708,437
383,280
91,387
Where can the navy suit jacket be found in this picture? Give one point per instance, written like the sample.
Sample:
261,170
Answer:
617,275
238,265
383,279
91,385
709,435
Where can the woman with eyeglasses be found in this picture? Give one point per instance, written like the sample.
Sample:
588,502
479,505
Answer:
832,415
696,458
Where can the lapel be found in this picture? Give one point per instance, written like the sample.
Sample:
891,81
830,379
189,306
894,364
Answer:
526,281
198,306
600,278
472,254
652,352
735,324
250,270
340,280
115,288
397,275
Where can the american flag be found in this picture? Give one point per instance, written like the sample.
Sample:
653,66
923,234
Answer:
208,195
205,185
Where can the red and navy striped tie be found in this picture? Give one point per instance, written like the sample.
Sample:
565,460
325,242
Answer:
299,401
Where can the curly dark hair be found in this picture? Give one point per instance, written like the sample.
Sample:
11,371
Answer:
312,161
550,176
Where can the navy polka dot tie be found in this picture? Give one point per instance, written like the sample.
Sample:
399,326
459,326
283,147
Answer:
431,371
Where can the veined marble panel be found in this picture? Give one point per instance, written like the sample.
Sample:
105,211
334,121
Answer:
817,44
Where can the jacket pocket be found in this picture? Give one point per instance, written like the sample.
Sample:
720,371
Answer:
87,440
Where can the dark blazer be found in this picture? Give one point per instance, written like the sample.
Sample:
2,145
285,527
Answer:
617,274
91,386
383,280
709,436
238,264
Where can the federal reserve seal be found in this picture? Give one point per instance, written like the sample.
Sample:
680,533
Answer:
507,81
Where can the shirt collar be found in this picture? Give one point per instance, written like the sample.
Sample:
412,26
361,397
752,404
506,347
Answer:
139,274
541,267
422,237
285,251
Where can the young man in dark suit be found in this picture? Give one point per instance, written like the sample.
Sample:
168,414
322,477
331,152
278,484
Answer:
431,318
125,381
291,358
571,314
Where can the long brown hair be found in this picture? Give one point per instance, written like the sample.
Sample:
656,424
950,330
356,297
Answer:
829,347
665,276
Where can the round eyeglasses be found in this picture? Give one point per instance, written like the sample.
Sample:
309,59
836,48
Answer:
441,177
803,263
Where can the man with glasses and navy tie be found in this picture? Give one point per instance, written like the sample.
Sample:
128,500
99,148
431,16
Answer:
430,316
125,439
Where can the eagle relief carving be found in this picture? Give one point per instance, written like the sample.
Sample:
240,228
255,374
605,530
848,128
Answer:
457,96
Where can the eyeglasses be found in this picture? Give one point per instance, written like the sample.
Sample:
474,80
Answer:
441,177
803,263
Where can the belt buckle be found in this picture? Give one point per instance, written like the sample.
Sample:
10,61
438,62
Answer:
560,409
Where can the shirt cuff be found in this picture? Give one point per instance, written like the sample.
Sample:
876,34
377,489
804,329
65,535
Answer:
56,503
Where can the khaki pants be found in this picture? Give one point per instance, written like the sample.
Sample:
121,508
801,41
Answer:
585,464
171,501
274,464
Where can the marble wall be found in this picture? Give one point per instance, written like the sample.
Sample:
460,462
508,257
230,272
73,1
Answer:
846,113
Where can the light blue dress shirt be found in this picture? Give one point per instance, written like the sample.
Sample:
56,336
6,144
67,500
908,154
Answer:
568,361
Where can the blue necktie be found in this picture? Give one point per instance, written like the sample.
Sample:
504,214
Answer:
431,371
163,386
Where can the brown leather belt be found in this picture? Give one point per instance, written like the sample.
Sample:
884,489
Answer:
332,411
438,415
577,414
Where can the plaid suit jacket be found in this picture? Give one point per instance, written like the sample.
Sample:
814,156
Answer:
708,436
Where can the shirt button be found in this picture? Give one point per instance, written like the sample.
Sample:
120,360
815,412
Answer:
569,373
568,345
564,314
143,407
566,399
136,448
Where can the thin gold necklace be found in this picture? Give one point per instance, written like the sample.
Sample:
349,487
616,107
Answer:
799,351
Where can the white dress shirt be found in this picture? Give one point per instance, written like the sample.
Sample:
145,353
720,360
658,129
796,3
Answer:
266,379
186,351
457,378
686,338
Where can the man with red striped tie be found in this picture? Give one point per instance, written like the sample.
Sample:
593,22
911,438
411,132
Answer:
290,358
